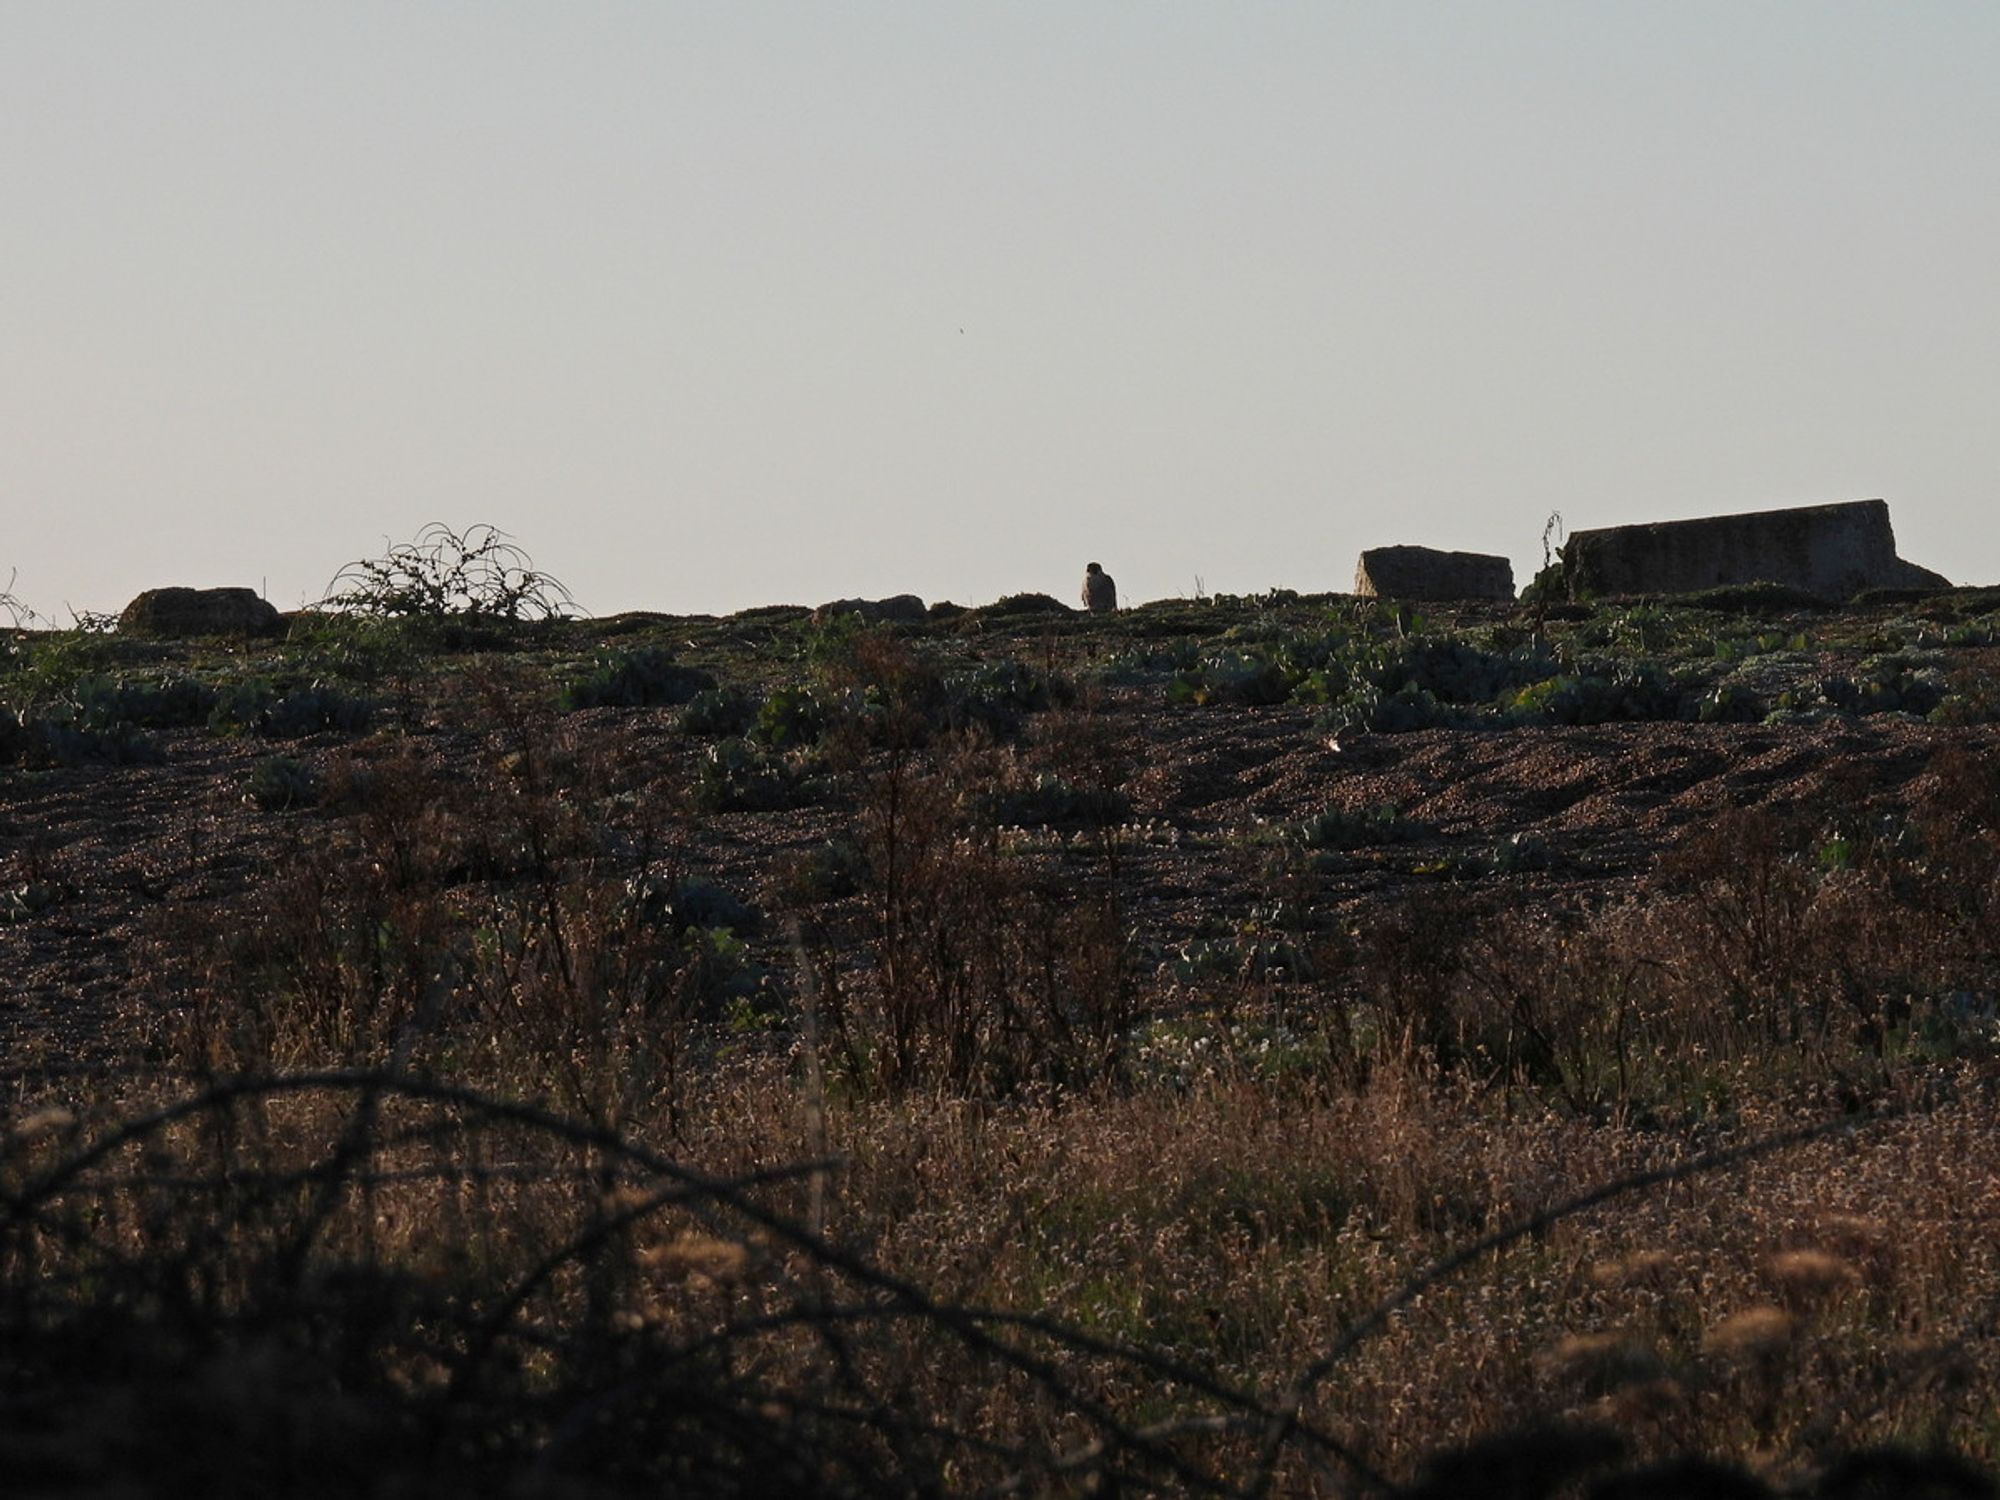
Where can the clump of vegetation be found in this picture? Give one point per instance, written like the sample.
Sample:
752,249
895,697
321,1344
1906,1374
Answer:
1762,597
257,705
831,870
279,783
365,650
66,704
1381,675
998,697
477,574
689,902
1338,828
717,712
741,775
173,702
788,718
1608,695
61,738
38,672
647,678
1052,801
1232,677
710,926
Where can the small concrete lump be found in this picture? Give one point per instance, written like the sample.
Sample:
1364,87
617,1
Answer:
1099,592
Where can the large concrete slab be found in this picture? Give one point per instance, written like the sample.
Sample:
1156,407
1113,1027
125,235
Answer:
1833,551
1426,573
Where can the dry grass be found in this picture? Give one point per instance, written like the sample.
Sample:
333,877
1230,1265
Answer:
937,1235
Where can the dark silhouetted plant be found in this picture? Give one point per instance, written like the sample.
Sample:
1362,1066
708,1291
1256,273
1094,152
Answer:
478,573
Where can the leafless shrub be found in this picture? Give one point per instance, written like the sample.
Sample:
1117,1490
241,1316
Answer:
478,573
985,974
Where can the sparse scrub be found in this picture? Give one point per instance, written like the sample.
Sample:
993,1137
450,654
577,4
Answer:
986,976
1272,1116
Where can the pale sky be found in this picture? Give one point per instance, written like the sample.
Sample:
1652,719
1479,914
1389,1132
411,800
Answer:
737,303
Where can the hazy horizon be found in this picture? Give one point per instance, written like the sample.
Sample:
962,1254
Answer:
712,307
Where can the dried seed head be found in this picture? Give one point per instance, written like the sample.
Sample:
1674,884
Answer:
1601,1362
1645,1401
1754,1333
1845,1229
43,1122
701,1255
1810,1275
1866,1244
629,1196
1639,1266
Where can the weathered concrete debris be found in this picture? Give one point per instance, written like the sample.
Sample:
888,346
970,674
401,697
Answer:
176,613
1426,573
899,608
1832,551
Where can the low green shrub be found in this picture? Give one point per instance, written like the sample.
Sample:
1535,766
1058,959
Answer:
1407,709
1380,677
1051,801
999,696
688,902
359,649
63,739
646,678
1599,693
170,703
41,670
829,871
1231,677
1889,684
739,775
279,783
257,706
1018,606
717,711
1248,956
1459,672
789,717
314,709
1338,828
1730,703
